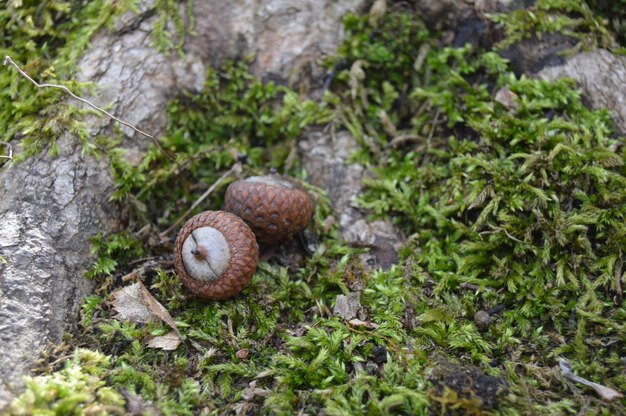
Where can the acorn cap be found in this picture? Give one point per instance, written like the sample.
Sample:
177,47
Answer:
274,208
216,255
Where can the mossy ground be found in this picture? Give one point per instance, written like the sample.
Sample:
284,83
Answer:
514,207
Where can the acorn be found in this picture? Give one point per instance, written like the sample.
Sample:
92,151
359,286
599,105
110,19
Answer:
216,255
273,207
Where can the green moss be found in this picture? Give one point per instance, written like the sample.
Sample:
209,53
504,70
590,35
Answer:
113,250
46,39
572,18
513,206
521,201
615,13
165,37
79,388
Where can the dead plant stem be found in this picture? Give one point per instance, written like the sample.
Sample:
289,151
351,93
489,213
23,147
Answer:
234,169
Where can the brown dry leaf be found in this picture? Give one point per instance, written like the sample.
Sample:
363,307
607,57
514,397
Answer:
134,303
167,342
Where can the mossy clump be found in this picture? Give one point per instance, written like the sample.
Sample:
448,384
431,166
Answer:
78,389
530,202
511,194
572,18
615,12
46,39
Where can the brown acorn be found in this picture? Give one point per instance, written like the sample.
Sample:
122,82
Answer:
216,255
273,207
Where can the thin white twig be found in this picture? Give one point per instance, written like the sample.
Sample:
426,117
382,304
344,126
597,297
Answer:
604,392
235,168
9,61
10,156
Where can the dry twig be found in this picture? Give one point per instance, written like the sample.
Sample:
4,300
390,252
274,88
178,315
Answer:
606,393
9,61
147,267
10,155
404,138
234,169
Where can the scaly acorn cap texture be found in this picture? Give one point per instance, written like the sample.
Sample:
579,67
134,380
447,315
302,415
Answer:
274,208
216,255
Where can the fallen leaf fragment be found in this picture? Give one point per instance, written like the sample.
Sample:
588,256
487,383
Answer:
604,392
134,303
358,322
507,98
251,391
242,354
167,342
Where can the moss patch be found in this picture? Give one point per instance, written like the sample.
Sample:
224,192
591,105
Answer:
574,18
79,388
46,39
511,192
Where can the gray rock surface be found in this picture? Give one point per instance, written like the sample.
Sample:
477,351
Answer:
529,56
602,77
348,307
285,36
49,207
325,157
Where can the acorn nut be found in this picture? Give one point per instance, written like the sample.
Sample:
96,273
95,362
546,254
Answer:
273,207
216,255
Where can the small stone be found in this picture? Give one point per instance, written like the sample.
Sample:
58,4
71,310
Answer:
371,368
347,307
507,98
482,320
379,354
